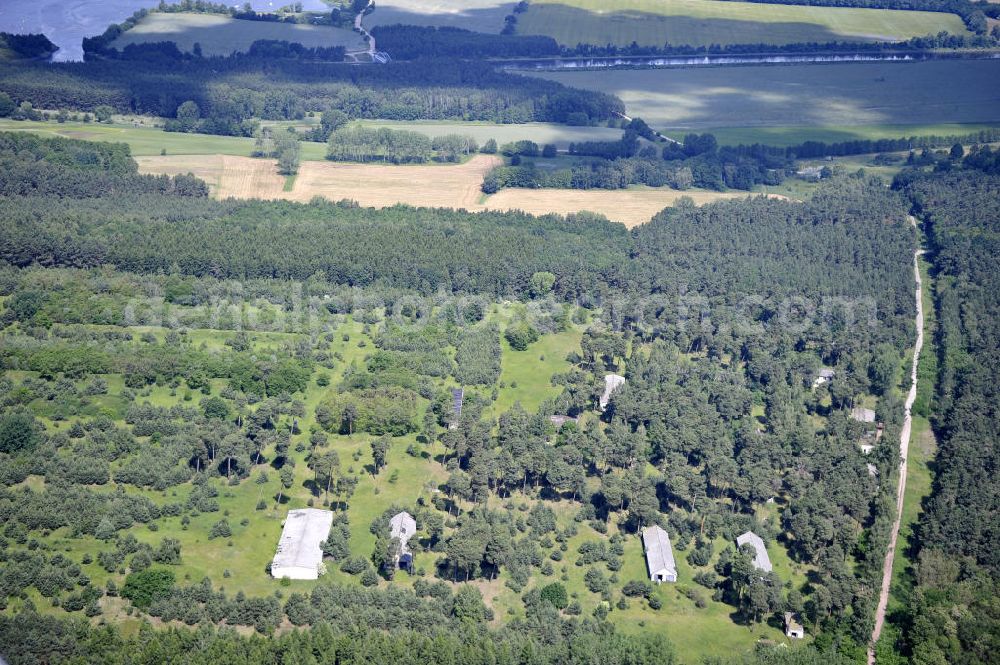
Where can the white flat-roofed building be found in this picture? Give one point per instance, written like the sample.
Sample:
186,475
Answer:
299,550
612,382
761,561
659,555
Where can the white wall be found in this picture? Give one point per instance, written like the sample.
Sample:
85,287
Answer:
294,573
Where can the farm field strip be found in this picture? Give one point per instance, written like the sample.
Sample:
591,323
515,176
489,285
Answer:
220,35
445,186
475,15
806,95
705,22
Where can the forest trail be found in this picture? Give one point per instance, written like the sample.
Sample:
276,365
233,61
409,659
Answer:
904,443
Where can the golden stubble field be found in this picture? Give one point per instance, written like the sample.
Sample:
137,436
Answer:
432,185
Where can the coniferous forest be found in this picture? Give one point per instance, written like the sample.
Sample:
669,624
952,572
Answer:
671,443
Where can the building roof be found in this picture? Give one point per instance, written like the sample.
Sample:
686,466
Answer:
827,373
403,526
792,622
301,537
863,415
559,421
659,553
457,397
611,383
761,561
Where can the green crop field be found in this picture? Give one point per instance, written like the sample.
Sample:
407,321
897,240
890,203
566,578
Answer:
706,22
221,35
784,96
476,15
146,140
539,132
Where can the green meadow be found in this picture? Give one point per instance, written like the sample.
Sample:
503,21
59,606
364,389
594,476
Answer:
707,22
221,35
775,99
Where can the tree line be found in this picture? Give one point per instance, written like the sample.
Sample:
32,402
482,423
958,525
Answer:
231,92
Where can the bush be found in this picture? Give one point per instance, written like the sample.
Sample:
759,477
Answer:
369,578
555,594
220,529
145,587
520,335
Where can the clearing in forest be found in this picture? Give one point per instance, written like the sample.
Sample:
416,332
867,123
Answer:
425,185
222,35
706,22
631,207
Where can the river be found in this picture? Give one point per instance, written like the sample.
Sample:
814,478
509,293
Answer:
67,22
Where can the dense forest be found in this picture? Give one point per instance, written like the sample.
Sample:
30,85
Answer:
230,94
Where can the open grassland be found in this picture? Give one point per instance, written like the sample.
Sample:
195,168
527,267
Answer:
706,22
539,132
475,15
221,35
144,139
829,95
426,185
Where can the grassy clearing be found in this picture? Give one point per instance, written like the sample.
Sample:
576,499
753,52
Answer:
839,96
475,15
238,563
706,22
221,35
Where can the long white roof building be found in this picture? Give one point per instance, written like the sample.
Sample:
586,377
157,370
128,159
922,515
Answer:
659,555
299,553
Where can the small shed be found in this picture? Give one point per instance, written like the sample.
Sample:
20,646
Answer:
761,560
863,415
793,628
299,552
659,555
612,382
825,375
559,421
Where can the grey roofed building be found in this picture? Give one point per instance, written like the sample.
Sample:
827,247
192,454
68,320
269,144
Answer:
403,526
761,561
827,373
457,398
299,554
611,383
863,415
659,555
559,421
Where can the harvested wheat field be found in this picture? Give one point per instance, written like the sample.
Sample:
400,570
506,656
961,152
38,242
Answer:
226,175
631,207
431,185
382,185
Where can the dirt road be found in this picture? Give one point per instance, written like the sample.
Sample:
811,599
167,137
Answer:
904,443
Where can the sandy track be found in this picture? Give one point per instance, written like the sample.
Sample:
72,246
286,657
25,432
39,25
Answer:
904,444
